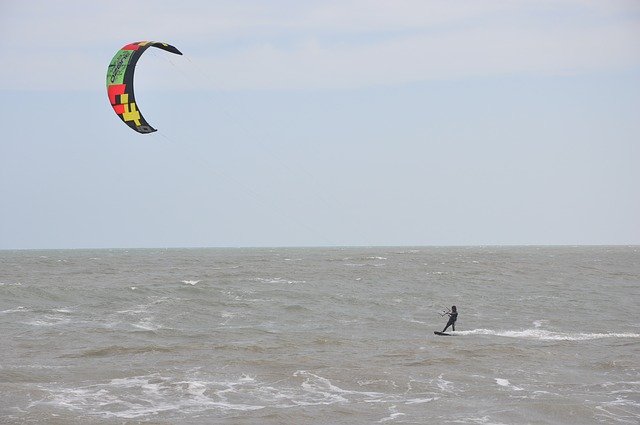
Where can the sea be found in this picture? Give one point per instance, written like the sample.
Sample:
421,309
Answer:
545,335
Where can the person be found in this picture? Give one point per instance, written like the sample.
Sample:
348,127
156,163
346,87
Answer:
453,316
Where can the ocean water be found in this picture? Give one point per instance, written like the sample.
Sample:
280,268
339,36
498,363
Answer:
545,335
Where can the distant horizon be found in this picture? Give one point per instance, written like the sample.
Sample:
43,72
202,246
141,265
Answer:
328,247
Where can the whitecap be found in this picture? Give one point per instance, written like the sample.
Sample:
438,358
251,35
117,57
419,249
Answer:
246,378
190,282
63,310
393,414
278,280
139,310
147,324
322,391
145,396
539,323
19,309
49,321
544,335
476,420
420,400
444,385
505,383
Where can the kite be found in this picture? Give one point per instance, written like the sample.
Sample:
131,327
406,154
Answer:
120,83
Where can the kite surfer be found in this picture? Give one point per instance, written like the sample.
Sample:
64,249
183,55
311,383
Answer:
453,316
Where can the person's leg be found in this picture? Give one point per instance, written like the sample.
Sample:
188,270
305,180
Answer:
453,326
449,323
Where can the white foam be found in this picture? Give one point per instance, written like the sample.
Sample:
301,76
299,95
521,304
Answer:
505,383
19,309
278,280
620,410
544,335
144,396
147,324
420,400
622,401
538,323
321,391
393,414
444,385
476,420
48,320
190,282
141,309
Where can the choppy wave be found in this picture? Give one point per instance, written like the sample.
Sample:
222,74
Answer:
141,396
117,350
544,335
278,280
49,320
505,383
19,309
145,396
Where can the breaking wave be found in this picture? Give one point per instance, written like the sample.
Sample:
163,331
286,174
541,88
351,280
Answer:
544,335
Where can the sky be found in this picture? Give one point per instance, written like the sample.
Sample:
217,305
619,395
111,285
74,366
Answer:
322,123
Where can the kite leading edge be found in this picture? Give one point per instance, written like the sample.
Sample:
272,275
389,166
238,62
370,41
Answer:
120,83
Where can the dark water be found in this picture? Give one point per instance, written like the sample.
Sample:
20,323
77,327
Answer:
315,336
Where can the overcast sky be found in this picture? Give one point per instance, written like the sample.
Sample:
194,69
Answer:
315,123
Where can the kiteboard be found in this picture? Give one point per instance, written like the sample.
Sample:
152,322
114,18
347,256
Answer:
441,333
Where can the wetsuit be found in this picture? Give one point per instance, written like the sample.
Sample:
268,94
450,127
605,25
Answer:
453,316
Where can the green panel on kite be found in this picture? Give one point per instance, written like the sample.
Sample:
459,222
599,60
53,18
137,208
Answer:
115,73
